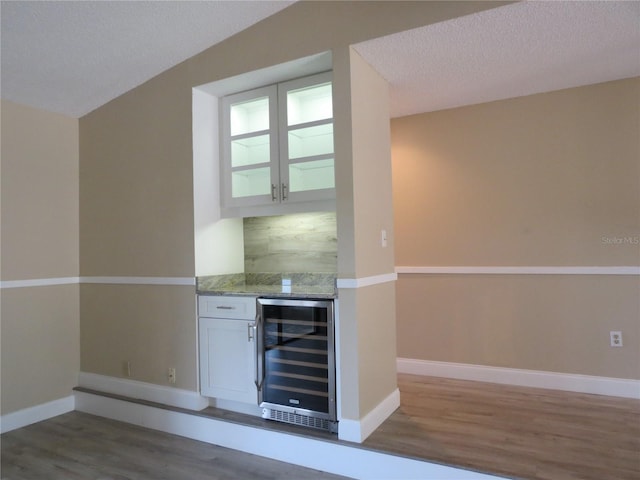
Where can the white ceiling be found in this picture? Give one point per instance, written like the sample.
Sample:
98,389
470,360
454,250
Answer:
506,52
72,57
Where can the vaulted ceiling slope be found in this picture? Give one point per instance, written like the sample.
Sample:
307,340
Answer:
72,57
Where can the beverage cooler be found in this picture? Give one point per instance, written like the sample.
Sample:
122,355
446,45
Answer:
295,361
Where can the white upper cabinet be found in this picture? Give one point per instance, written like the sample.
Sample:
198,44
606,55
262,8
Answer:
277,144
250,146
306,139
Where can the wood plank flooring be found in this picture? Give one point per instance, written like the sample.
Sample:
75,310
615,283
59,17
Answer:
509,431
78,446
514,431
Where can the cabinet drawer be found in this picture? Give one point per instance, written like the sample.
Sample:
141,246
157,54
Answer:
212,306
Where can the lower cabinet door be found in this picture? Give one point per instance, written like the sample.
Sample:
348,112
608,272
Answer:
227,359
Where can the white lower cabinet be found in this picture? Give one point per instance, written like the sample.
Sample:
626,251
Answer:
227,351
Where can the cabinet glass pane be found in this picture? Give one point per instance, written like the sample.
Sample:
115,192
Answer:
305,142
309,104
250,116
313,175
256,181
250,150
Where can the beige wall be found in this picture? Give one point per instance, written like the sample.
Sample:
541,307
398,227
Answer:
371,143
136,219
536,180
40,353
136,183
39,194
367,347
373,212
367,316
545,180
376,344
40,345
557,323
151,326
136,191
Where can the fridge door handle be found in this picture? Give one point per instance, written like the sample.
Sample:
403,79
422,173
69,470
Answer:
259,370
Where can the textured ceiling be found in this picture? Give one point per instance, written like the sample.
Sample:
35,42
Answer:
72,57
511,51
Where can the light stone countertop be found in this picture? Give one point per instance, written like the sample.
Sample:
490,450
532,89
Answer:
303,285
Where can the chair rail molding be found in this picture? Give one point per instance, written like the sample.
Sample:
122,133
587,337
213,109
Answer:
43,282
520,270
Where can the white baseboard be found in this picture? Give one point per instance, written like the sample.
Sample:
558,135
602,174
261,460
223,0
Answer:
145,391
617,387
358,431
332,457
35,414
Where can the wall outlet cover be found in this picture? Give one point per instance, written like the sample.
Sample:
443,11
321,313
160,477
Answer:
615,338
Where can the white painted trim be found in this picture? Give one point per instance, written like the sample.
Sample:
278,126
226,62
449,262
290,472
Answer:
612,270
341,282
27,416
39,282
617,387
43,282
358,431
366,281
145,391
332,457
140,280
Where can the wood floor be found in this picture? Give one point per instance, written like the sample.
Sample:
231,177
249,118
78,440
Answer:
78,446
514,431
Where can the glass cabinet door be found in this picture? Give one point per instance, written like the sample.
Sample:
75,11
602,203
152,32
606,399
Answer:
306,138
250,147
277,143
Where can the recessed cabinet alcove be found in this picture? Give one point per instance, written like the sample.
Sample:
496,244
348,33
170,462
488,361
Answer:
263,142
358,157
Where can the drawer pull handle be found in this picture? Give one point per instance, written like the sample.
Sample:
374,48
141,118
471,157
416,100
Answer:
224,307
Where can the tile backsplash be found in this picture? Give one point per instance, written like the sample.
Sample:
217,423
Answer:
305,242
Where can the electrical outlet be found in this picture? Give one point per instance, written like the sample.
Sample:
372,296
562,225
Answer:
616,338
172,375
